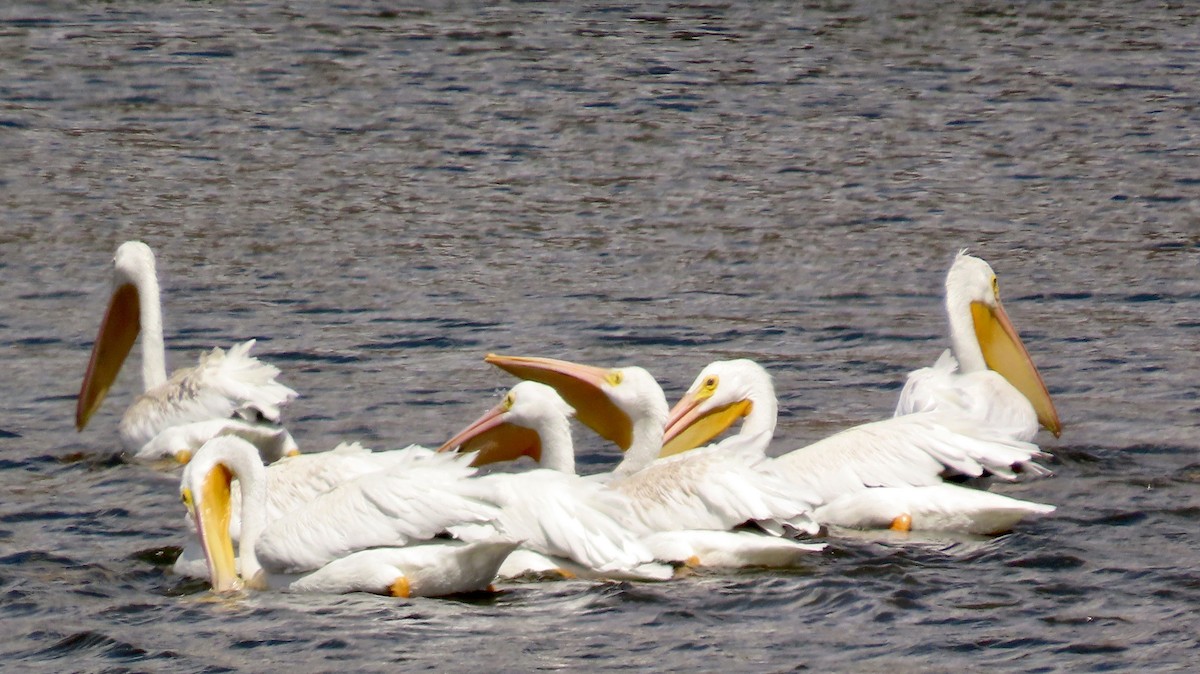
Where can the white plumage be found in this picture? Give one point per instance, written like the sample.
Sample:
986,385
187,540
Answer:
709,491
730,549
336,541
388,508
273,442
987,375
430,569
568,524
223,385
938,507
297,480
905,451
572,523
716,488
899,453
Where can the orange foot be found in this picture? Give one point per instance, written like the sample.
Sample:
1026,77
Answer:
400,588
902,523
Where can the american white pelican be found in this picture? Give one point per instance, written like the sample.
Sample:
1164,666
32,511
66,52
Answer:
987,374
222,385
885,472
373,534
684,507
568,524
296,480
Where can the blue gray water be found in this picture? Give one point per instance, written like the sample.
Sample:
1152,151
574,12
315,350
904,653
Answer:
383,193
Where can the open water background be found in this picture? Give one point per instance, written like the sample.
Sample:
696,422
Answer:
382,193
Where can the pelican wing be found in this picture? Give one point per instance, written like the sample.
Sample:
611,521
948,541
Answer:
221,385
562,515
430,569
247,382
986,396
716,488
399,506
296,480
730,549
942,507
911,450
931,388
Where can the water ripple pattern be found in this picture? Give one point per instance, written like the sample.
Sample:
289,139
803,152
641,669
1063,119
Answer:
382,193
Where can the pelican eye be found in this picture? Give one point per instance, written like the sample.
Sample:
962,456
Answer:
615,377
996,287
185,495
710,384
509,400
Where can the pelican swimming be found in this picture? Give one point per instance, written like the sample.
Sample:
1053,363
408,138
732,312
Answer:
296,480
376,533
885,473
568,525
684,507
223,385
986,374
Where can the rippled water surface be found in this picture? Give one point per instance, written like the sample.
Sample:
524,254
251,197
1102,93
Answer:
381,193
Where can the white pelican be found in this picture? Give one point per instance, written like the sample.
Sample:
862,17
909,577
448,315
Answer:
373,534
684,507
987,374
568,525
222,385
296,480
886,472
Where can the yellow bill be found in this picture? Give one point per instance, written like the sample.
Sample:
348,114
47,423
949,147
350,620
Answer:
117,333
495,439
690,426
582,386
212,515
1004,352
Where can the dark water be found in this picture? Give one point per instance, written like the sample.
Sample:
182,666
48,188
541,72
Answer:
382,193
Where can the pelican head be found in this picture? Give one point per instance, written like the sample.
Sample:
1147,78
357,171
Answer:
983,336
516,426
614,402
134,276
724,392
205,492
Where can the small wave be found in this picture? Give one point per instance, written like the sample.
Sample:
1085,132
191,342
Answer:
74,644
